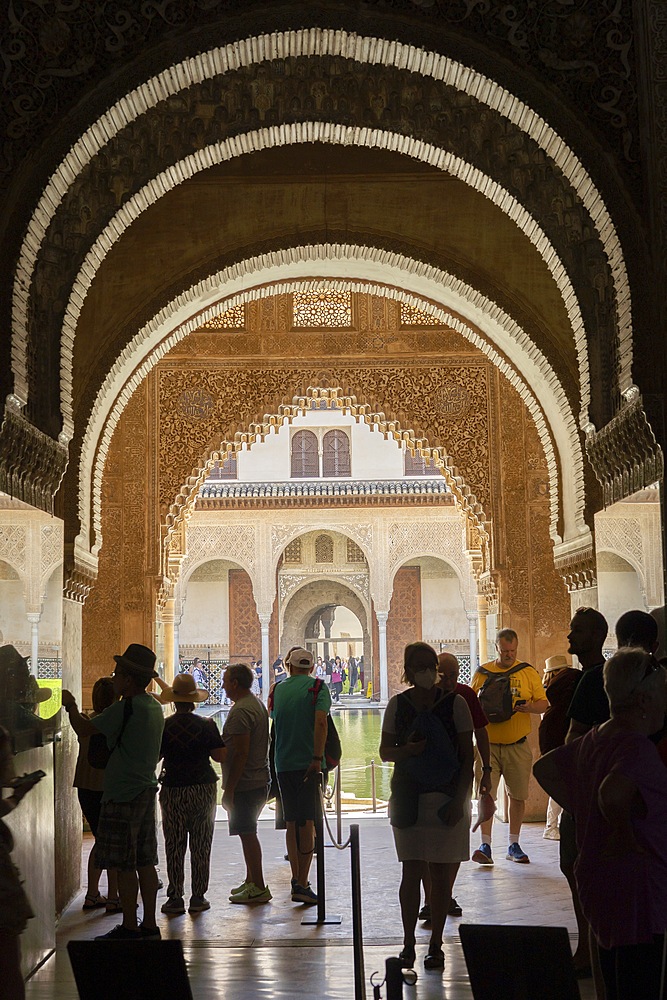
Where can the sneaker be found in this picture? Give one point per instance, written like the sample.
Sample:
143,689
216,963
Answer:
239,888
173,905
454,909
120,933
198,904
150,933
303,894
251,894
483,856
425,912
514,853
551,833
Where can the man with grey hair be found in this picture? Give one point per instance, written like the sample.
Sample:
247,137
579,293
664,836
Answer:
515,690
246,776
299,708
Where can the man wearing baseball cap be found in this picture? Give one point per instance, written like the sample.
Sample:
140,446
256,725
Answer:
126,835
299,713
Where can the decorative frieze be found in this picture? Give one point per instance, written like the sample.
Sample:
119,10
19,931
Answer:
32,464
625,454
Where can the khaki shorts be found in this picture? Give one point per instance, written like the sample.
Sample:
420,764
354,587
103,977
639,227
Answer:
514,761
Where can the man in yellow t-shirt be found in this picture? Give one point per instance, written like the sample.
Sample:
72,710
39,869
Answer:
510,754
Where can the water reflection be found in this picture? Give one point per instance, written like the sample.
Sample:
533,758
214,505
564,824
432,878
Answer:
360,731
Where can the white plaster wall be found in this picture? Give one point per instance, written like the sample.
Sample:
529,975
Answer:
372,457
205,618
51,623
617,593
14,625
443,610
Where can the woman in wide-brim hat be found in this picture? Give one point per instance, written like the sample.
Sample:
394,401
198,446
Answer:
188,795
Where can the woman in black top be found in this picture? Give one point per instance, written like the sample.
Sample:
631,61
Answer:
188,795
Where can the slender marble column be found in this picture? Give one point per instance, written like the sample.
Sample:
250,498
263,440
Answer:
384,674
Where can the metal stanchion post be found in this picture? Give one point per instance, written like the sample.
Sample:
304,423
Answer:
394,978
373,790
357,932
321,917
339,805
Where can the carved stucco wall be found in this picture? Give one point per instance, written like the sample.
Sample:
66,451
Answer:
234,395
404,623
533,597
120,608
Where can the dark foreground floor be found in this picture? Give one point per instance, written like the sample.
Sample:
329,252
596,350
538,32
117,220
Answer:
248,953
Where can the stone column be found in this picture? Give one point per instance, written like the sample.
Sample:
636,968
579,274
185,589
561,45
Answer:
34,617
482,609
264,621
168,638
177,651
472,637
384,676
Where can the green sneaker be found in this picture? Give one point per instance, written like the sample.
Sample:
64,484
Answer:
251,894
239,888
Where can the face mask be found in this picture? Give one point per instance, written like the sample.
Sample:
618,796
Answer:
426,678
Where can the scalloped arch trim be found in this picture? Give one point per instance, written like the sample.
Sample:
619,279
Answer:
316,42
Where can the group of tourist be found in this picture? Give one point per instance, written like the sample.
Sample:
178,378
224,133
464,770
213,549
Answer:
603,738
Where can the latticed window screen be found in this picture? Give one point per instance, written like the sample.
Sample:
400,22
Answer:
230,319
324,549
416,465
225,469
335,454
322,310
411,316
354,553
305,458
293,551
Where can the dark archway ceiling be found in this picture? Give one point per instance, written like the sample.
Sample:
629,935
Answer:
301,195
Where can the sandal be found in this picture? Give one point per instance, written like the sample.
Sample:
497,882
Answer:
435,959
113,906
95,902
407,956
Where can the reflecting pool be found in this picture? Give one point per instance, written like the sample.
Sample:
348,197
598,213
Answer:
359,731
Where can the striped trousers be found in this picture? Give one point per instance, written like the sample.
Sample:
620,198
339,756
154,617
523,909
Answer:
188,812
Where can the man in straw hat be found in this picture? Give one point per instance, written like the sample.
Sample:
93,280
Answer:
126,837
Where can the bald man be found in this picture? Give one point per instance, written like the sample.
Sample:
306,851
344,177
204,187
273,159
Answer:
448,669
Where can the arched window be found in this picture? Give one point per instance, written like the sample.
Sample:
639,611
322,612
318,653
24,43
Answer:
416,465
305,459
335,454
324,549
293,551
226,469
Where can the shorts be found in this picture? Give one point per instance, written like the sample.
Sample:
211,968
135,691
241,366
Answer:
301,799
514,761
245,812
126,835
91,803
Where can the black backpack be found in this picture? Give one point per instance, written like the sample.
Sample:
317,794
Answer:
495,696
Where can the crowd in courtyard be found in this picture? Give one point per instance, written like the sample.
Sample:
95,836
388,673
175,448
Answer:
603,763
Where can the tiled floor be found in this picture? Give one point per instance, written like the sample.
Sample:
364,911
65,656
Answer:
251,952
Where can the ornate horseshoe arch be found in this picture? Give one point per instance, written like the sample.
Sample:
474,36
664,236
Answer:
319,44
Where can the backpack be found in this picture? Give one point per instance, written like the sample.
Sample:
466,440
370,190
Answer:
495,696
332,747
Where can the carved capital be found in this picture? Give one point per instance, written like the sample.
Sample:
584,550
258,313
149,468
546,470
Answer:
32,464
625,454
